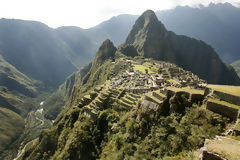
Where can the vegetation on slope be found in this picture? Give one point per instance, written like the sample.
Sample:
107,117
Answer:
140,133
57,100
34,48
11,126
19,95
123,135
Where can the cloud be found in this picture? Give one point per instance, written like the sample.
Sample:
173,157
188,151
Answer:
86,13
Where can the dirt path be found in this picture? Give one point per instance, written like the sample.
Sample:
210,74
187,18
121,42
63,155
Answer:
40,111
22,151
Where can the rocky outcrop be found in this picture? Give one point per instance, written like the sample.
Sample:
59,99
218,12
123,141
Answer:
220,148
129,50
211,156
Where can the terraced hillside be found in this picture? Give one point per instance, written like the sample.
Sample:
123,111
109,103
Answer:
132,108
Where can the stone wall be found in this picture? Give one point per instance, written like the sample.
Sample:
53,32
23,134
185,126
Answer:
228,97
195,98
211,156
232,113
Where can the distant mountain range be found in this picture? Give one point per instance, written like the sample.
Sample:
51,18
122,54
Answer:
216,24
39,48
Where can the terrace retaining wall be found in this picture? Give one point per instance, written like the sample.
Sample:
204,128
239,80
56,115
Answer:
232,113
228,97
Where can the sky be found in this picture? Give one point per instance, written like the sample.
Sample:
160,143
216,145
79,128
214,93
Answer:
87,13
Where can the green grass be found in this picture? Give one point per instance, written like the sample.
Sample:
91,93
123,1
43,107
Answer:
238,125
234,90
142,69
224,103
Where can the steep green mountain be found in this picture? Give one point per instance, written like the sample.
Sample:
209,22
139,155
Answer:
76,82
110,117
236,66
58,99
35,50
17,90
151,40
11,126
18,96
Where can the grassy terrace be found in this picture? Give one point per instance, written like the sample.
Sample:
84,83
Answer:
238,125
224,103
142,69
234,90
125,104
187,89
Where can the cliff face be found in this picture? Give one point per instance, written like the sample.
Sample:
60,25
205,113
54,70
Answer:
152,40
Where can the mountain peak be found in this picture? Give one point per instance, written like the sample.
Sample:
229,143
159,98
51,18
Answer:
147,26
106,51
149,15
